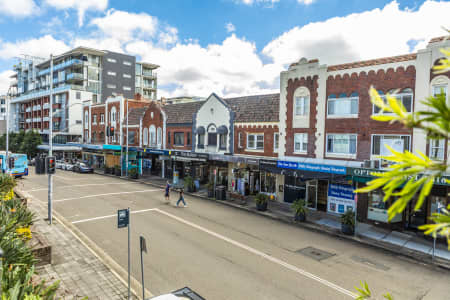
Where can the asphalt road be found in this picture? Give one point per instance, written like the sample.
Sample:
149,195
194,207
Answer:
225,253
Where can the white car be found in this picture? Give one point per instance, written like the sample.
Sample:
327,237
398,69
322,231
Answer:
59,164
67,166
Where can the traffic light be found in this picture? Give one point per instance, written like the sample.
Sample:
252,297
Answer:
50,164
112,131
10,162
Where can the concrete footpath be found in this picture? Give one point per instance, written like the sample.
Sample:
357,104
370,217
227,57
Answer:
405,244
80,272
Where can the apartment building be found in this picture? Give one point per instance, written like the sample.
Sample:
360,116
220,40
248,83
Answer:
81,74
146,80
329,144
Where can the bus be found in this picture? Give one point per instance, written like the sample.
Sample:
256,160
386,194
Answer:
20,164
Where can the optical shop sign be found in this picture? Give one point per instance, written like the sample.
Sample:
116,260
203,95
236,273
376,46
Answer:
340,198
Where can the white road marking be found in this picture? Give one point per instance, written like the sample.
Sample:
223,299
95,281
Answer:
107,194
78,185
110,216
262,254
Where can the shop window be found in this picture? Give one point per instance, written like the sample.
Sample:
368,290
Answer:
377,208
212,139
201,141
178,138
301,142
437,148
268,183
276,141
405,97
399,143
223,142
255,141
341,143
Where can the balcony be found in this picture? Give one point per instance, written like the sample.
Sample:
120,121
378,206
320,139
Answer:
46,119
75,77
46,105
72,62
149,74
14,82
28,120
28,109
36,107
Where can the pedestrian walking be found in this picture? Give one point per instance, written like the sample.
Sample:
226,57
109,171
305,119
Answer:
181,199
167,192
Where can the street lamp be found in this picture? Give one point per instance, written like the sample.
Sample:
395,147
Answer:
8,96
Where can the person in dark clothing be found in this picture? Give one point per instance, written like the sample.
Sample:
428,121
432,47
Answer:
181,199
167,192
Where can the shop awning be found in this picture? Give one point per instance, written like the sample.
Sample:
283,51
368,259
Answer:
222,130
310,175
180,158
200,130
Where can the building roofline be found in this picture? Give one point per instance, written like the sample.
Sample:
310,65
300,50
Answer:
149,65
373,62
80,49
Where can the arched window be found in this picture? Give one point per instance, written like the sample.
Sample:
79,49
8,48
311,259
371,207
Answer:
86,119
212,135
145,136
301,101
159,136
152,135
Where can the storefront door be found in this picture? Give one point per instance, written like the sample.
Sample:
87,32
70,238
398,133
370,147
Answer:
416,218
294,189
311,194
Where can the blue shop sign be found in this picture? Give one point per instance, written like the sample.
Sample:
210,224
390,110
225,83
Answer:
311,167
156,151
111,147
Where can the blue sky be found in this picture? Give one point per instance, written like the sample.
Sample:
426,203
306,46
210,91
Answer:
231,47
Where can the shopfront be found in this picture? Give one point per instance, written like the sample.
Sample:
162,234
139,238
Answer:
310,182
244,175
153,161
190,164
271,179
372,209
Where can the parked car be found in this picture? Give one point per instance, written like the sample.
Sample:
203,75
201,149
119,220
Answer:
82,168
67,166
59,164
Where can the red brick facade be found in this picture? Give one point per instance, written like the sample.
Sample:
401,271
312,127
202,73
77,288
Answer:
186,130
363,125
311,83
240,147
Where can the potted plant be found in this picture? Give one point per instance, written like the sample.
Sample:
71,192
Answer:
133,173
210,187
300,210
348,222
117,170
105,169
189,184
261,202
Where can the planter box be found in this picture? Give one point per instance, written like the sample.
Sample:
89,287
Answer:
261,206
300,217
347,229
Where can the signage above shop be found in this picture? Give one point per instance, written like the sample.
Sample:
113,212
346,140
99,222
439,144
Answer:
190,154
363,172
156,151
311,167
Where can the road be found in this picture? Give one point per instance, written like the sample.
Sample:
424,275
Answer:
226,253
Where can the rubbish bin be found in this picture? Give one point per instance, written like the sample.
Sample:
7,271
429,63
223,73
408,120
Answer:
220,192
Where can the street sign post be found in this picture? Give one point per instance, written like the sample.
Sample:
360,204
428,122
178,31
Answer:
123,220
143,246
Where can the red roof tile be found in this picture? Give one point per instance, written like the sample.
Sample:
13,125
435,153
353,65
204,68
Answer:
373,62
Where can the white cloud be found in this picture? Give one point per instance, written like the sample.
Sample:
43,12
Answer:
230,27
18,8
269,3
124,26
306,2
41,47
80,5
5,81
230,68
366,35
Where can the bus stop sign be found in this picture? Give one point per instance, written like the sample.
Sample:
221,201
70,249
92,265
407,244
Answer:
122,218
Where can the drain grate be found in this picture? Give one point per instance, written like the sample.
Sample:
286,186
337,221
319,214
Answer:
315,253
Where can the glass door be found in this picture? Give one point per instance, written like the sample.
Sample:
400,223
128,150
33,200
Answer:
311,194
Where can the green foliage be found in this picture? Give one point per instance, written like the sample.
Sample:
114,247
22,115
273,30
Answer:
299,207
260,198
7,183
132,172
22,142
365,293
348,218
189,183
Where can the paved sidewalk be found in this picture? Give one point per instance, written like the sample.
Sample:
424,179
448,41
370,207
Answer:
406,244
80,272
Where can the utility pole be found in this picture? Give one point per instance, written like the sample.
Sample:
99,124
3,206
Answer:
50,142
